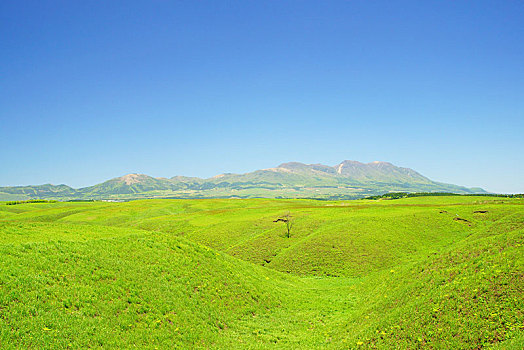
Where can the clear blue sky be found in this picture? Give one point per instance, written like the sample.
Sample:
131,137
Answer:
91,90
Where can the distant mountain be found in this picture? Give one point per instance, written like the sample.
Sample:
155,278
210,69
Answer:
126,185
347,180
33,192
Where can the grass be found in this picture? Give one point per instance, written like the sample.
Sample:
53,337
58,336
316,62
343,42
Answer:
424,272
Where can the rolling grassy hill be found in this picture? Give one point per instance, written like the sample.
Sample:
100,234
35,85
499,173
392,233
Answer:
347,180
423,272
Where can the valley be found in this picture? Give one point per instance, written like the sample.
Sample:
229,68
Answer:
422,272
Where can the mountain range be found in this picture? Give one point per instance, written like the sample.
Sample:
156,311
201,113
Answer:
347,180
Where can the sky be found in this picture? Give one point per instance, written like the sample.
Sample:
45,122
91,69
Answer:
92,90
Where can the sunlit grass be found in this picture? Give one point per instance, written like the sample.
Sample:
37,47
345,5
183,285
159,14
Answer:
221,274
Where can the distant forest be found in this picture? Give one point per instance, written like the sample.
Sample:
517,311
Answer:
398,195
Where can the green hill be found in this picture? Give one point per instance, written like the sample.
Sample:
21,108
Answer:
347,180
122,288
421,272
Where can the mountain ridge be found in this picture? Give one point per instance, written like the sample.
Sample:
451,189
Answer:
347,180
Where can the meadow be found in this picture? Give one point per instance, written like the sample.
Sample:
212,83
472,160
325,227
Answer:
423,272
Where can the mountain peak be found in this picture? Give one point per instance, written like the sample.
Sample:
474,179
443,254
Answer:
348,164
130,179
292,165
351,162
348,179
380,164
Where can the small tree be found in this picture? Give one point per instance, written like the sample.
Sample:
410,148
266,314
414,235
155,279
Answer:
288,220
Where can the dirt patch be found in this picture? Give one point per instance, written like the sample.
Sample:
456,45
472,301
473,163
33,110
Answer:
460,219
130,179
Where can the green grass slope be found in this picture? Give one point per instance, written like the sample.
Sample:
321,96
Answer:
347,239
466,297
422,272
125,288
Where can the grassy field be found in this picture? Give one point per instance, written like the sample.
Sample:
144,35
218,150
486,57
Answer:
424,272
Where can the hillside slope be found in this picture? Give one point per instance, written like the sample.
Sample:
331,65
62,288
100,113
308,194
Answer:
347,180
428,272
349,238
89,286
